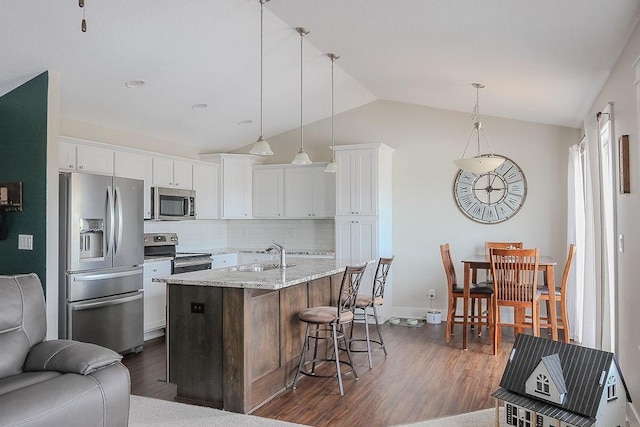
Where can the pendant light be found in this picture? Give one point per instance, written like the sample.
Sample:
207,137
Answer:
482,163
332,167
261,146
301,158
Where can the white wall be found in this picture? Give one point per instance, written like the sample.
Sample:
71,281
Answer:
620,90
425,215
108,135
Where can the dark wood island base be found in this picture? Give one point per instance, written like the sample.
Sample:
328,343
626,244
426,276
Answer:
234,348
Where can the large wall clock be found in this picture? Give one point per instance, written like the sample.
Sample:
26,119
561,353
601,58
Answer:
491,197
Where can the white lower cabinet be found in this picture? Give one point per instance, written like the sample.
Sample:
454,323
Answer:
155,314
224,261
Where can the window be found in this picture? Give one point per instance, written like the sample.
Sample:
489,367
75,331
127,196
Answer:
611,389
521,418
542,384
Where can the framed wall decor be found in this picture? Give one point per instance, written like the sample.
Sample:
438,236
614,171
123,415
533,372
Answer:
623,164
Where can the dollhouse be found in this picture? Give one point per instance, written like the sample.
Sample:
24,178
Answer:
553,384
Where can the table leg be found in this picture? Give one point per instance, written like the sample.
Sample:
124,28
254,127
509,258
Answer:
551,285
465,294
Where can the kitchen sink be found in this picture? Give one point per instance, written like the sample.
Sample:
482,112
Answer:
257,267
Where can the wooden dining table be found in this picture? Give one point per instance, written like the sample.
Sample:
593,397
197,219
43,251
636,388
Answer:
546,264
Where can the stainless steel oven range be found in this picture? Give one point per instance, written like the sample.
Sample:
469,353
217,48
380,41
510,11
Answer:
164,245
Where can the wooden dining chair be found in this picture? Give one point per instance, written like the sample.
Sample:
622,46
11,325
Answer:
515,284
561,292
488,278
455,291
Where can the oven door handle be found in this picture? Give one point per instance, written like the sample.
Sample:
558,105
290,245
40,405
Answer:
91,305
191,263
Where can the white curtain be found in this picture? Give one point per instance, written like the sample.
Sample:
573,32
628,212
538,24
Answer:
581,288
591,225
607,231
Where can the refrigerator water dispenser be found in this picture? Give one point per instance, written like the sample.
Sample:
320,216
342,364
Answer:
91,238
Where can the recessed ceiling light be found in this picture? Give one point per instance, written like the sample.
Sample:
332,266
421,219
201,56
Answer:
199,106
134,84
245,122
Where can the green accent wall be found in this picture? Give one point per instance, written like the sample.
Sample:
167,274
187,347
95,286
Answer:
23,158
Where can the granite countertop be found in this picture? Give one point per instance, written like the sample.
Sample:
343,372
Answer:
304,270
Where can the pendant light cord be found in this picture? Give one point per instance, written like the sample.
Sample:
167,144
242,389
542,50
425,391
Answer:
301,121
261,68
333,151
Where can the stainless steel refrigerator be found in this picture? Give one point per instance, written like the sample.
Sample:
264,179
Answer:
101,258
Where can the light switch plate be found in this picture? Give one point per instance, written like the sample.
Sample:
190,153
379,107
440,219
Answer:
25,242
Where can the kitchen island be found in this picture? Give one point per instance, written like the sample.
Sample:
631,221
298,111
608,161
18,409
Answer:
233,335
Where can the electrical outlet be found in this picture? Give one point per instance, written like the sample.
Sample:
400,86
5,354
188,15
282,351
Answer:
197,307
432,294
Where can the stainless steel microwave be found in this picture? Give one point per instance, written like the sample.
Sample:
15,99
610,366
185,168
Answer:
172,203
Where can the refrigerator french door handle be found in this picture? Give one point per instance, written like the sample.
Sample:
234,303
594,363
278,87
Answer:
110,216
88,306
118,211
103,276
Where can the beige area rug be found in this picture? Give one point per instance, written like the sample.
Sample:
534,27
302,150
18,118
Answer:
154,412
484,418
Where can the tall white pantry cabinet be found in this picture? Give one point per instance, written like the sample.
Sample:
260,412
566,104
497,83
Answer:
363,221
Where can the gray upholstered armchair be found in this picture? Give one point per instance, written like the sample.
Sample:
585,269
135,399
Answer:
58,382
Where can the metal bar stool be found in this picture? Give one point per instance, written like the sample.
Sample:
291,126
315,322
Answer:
329,322
373,301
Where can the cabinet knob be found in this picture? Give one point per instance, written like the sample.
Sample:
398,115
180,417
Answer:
155,270
80,167
70,166
176,184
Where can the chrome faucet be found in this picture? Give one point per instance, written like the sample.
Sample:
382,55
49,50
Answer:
280,248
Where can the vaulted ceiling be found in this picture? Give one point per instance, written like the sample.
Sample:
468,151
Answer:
543,61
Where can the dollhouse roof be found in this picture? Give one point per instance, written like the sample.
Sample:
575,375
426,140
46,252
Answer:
580,367
554,367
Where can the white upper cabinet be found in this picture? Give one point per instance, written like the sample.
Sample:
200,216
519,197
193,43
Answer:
356,187
137,166
237,183
206,183
172,173
309,192
268,188
85,158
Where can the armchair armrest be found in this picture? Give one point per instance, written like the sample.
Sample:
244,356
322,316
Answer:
69,357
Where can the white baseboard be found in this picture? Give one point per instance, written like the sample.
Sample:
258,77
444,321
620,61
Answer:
155,333
415,312
633,418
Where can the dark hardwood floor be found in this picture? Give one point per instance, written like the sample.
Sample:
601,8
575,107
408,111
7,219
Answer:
423,378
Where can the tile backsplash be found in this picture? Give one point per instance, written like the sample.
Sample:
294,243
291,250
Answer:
303,234
249,234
